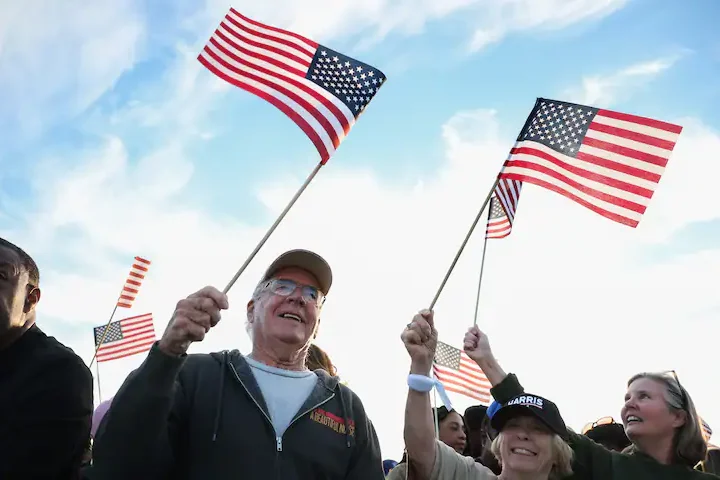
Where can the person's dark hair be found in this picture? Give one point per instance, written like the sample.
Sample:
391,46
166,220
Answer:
442,413
317,358
25,260
474,416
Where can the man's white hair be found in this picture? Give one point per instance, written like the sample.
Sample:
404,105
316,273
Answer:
257,293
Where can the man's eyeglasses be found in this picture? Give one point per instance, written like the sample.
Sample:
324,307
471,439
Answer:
285,288
597,423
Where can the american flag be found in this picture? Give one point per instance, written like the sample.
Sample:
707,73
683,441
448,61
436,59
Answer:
498,224
459,374
132,285
124,337
321,90
508,193
607,161
706,430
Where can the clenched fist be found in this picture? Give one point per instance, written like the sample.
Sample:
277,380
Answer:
477,345
192,319
420,339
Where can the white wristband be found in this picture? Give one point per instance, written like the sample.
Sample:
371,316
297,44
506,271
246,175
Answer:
421,383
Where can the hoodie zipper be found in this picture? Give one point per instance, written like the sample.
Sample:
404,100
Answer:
267,417
278,440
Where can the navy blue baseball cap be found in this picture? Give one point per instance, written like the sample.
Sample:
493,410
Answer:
535,405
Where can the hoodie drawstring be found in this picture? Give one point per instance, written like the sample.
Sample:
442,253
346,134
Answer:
343,411
218,408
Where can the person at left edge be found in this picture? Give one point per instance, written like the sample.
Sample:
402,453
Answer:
46,390
225,415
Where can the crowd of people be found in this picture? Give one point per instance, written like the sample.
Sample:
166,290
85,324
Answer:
281,411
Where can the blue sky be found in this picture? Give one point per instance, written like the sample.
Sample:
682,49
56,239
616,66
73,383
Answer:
115,142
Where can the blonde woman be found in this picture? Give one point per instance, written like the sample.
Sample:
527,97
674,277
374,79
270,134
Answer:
530,444
658,415
318,359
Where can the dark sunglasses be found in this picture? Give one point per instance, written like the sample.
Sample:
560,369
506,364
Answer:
285,288
597,423
683,394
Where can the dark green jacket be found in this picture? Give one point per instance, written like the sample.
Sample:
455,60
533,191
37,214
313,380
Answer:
203,417
594,462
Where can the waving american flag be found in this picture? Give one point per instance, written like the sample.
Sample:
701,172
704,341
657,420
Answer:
609,162
459,374
320,89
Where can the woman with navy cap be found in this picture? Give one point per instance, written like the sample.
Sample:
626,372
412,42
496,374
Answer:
531,444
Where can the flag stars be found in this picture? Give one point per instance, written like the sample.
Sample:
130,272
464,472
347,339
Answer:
352,83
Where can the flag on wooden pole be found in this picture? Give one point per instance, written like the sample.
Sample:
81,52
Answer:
609,162
125,337
321,90
460,374
133,283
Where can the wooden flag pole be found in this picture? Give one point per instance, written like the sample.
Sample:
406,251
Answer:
437,422
97,370
102,339
273,227
467,238
482,268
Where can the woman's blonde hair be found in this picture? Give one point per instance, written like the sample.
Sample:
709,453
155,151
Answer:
317,358
689,445
562,455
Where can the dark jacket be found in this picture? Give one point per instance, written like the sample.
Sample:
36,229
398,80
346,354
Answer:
594,462
46,405
204,417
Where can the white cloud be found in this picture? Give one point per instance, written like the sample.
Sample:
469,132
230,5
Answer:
666,214
58,58
56,61
323,20
327,19
507,16
567,306
608,89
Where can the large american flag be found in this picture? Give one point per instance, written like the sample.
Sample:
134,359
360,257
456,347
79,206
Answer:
124,337
607,161
132,285
459,374
321,90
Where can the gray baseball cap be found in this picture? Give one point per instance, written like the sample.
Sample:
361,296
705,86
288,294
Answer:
307,260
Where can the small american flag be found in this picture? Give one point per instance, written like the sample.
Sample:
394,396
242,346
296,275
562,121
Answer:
508,193
134,281
607,161
498,224
321,90
125,337
706,430
459,374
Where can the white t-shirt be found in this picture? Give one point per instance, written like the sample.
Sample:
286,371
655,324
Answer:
449,465
284,391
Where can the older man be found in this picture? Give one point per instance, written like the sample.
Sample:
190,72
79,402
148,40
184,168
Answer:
225,415
46,391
